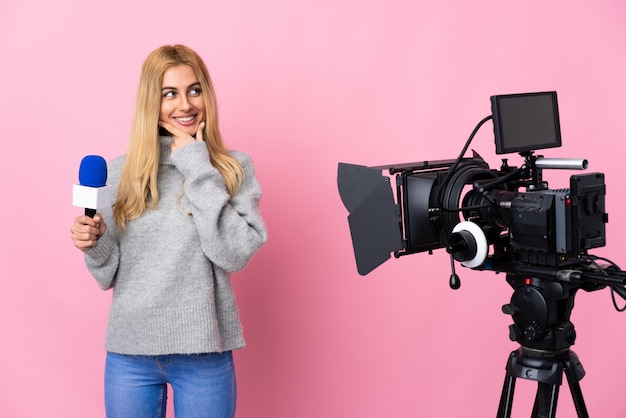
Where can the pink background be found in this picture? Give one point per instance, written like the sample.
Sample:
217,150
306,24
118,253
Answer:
301,87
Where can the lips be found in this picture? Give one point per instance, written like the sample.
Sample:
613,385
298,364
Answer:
186,120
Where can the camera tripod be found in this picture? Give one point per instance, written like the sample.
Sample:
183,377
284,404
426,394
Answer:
541,311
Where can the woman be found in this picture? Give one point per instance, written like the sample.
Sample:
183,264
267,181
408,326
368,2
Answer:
186,215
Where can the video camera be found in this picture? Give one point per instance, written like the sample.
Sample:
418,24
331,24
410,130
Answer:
511,210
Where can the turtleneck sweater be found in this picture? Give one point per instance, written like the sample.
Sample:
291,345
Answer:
170,271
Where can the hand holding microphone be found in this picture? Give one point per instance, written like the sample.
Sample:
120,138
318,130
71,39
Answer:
86,231
92,194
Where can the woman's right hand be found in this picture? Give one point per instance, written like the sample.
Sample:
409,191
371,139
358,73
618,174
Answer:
87,230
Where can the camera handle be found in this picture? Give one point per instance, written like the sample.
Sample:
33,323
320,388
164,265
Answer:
530,173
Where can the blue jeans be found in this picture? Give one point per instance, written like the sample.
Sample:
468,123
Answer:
204,385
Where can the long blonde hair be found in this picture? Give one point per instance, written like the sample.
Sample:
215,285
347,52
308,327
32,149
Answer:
137,190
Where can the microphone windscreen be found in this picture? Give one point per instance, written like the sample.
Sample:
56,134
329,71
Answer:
93,171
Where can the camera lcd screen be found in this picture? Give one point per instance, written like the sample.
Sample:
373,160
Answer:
525,122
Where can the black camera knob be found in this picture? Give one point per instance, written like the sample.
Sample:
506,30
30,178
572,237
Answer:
514,333
532,332
571,336
510,309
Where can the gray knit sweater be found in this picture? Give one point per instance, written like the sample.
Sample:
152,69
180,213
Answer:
170,272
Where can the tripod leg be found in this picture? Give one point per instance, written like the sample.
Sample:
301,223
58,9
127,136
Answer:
579,402
546,400
506,399
574,372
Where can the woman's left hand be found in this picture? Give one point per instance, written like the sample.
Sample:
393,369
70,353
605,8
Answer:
182,138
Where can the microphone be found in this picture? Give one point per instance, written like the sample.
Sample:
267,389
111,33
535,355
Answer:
92,193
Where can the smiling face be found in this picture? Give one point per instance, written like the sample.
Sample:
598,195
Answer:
182,103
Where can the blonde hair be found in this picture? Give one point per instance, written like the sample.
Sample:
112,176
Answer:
137,190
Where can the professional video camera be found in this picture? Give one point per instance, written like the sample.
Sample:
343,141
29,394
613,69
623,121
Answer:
512,223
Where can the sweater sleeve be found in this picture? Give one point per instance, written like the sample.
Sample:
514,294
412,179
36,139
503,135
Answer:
102,260
231,229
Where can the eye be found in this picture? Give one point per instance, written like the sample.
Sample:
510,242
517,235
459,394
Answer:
195,91
169,94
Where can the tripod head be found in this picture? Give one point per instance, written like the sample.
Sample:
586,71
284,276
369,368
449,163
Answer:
543,300
541,312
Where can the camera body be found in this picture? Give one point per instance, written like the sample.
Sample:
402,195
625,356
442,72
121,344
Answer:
524,223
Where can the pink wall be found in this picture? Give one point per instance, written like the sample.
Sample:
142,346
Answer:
302,86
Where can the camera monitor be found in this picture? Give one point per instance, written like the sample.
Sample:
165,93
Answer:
525,122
